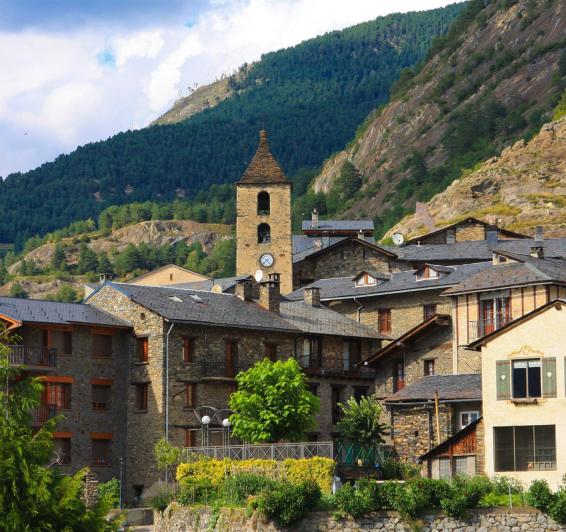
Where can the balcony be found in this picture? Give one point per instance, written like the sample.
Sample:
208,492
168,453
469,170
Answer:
42,413
312,367
33,357
478,329
212,368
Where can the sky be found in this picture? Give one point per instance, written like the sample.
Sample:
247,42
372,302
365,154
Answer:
76,71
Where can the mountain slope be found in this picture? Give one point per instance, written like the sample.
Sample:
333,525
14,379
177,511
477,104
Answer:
493,79
524,187
310,97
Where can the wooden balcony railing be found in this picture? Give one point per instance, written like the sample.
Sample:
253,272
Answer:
33,357
42,413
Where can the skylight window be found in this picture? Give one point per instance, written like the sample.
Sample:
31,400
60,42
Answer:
195,297
176,299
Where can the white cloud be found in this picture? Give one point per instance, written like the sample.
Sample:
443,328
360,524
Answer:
61,90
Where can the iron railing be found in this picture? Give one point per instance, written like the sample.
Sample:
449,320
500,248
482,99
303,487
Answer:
219,368
42,413
275,451
353,454
354,372
42,357
478,329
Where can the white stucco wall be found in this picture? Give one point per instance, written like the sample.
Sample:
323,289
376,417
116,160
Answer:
544,333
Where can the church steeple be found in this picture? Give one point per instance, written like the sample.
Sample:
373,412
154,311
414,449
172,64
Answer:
263,168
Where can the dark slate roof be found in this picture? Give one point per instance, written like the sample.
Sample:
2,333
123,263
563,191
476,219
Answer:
194,306
39,311
529,271
333,242
399,282
478,250
263,168
339,225
304,245
320,320
442,447
449,387
226,283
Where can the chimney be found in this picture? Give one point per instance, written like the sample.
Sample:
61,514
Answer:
539,233
244,289
311,296
537,251
318,243
491,234
314,219
269,293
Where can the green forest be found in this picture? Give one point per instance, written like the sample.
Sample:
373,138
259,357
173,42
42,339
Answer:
311,98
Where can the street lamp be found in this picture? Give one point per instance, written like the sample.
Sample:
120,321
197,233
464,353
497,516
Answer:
205,420
226,431
122,483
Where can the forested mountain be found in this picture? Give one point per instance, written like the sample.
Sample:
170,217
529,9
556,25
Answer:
493,79
310,97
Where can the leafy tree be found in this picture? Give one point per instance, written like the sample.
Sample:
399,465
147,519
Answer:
360,422
349,181
33,496
17,290
65,294
560,109
272,402
88,262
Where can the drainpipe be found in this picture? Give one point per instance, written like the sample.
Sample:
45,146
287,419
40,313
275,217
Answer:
359,309
167,381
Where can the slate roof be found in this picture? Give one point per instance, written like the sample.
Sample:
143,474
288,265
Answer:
263,167
449,387
39,311
208,308
399,282
321,320
445,445
339,225
304,246
226,283
529,271
332,242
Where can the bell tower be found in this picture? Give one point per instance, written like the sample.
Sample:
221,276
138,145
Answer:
263,218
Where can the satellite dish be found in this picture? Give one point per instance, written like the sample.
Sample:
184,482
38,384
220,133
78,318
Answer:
258,276
398,239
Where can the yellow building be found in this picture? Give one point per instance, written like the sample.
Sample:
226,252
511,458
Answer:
524,396
263,222
168,274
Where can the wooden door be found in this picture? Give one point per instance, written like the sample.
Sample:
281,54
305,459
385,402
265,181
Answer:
488,318
230,359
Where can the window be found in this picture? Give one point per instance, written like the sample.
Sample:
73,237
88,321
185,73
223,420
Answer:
460,465
526,448
101,447
263,203
428,367
230,358
429,311
426,273
270,351
61,340
190,395
141,396
263,234
312,353
58,394
102,345
352,354
189,437
526,378
494,314
445,470
336,399
384,320
62,449
143,349
188,349
398,375
468,417
360,391
366,279
101,397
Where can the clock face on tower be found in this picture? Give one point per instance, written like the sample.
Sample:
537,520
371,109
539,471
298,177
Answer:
266,260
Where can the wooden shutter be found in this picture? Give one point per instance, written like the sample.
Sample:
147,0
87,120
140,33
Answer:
503,376
188,348
67,342
549,377
143,349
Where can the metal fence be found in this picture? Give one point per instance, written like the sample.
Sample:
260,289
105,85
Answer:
276,451
21,355
352,454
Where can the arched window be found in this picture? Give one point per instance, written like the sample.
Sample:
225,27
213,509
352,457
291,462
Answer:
263,202
263,233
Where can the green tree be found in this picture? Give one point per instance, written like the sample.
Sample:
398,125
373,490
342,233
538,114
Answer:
349,181
360,422
560,109
58,262
104,264
88,261
33,496
17,290
272,402
65,294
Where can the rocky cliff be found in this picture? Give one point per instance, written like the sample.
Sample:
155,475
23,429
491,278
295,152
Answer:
524,187
493,79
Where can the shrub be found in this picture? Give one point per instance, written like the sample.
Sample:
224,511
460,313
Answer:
110,492
199,490
557,509
539,495
239,487
317,469
158,496
358,500
414,497
286,502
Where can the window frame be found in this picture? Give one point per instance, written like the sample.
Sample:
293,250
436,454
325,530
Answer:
189,343
517,453
427,310
426,367
108,391
527,395
142,396
111,342
384,317
470,413
142,349
190,396
65,393
107,447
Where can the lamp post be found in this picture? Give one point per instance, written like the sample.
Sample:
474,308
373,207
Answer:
122,483
225,431
205,420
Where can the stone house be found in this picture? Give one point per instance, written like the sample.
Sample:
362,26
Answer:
523,394
191,344
80,353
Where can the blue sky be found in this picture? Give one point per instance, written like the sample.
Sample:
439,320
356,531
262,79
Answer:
76,71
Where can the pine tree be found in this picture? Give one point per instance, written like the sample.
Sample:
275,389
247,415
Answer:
87,260
58,262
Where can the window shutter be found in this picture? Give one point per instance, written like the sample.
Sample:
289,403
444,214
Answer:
503,376
549,377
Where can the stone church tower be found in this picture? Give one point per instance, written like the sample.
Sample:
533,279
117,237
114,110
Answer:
263,222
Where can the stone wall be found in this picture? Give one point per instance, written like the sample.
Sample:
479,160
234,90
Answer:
186,519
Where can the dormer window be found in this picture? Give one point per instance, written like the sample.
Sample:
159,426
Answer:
365,279
431,272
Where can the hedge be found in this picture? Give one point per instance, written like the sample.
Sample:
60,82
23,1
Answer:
214,472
